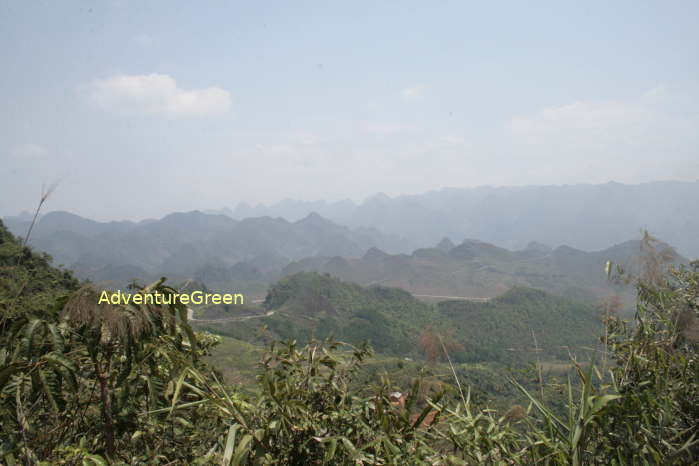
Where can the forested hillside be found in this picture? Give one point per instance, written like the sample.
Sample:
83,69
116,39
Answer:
310,305
28,282
476,269
522,324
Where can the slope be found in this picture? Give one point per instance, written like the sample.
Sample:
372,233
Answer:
225,253
481,270
310,305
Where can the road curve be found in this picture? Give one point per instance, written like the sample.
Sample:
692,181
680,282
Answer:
465,298
190,313
190,317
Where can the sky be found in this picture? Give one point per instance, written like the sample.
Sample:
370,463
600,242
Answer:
137,109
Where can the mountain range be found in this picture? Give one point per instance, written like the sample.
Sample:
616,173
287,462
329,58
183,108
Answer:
192,245
218,252
474,269
584,216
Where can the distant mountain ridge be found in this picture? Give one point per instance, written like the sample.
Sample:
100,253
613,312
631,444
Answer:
475,269
584,216
248,255
190,244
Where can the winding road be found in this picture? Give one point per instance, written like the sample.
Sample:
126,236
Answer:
190,312
190,317
465,298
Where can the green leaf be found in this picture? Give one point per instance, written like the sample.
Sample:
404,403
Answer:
29,332
89,460
242,450
230,445
330,452
48,390
178,388
8,371
599,402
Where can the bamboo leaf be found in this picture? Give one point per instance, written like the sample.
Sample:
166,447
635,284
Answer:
7,372
178,388
330,451
230,445
242,450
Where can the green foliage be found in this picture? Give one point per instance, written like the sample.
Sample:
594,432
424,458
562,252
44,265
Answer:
643,412
515,325
78,379
506,329
657,373
310,305
28,284
306,413
89,375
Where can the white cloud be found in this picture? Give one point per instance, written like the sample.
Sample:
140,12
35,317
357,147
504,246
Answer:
649,137
412,92
645,121
30,151
157,94
142,39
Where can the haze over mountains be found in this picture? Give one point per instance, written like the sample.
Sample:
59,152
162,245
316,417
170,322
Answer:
481,270
476,242
584,216
192,244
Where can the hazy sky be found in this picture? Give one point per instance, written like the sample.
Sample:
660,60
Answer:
141,108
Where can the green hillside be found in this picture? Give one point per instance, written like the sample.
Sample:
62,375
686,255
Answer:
28,282
480,270
307,305
515,324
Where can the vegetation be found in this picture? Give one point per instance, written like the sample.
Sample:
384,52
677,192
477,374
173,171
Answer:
508,329
85,381
522,324
82,383
480,270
